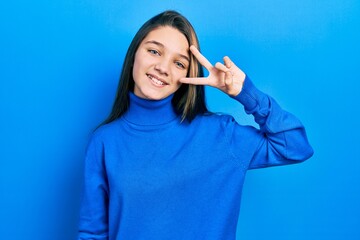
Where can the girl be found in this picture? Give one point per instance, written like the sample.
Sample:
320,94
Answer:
162,166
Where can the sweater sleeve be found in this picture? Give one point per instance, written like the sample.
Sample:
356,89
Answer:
280,139
94,205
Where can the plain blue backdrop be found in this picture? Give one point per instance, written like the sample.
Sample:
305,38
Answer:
59,67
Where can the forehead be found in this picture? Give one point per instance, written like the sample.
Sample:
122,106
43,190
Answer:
172,39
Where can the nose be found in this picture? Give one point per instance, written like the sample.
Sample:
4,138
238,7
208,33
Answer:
162,67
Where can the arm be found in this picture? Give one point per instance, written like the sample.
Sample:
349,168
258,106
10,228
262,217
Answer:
93,213
281,138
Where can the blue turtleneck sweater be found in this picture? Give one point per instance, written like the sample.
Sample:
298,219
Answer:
150,176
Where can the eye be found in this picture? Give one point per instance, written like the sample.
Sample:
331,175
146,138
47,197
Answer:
154,52
180,65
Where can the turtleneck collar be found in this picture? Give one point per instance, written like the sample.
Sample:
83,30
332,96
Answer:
150,112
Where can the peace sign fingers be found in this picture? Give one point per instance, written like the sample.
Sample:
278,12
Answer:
202,60
227,77
205,63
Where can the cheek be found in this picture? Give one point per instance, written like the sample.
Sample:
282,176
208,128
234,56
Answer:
134,71
136,67
179,74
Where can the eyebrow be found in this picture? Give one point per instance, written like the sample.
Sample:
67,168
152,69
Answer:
162,46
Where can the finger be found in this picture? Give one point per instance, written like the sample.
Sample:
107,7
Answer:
221,67
195,81
202,60
228,79
227,61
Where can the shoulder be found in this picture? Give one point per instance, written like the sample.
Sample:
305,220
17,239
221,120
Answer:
226,123
105,131
216,119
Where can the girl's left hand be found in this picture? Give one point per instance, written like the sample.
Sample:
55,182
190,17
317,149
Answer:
227,77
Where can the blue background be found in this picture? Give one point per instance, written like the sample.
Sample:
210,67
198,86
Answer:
60,61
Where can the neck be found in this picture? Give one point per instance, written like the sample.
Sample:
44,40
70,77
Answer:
150,112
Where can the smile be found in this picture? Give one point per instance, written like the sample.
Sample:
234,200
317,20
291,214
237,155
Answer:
156,81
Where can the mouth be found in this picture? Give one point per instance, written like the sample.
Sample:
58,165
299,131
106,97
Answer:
156,81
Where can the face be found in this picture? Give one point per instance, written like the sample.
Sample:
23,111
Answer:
160,61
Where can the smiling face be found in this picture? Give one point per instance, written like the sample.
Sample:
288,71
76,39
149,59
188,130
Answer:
160,61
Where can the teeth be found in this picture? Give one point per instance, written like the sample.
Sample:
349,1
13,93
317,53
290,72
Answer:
157,81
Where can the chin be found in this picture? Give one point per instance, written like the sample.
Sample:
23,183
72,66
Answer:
150,93
155,96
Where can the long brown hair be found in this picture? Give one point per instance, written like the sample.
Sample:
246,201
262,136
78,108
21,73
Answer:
188,100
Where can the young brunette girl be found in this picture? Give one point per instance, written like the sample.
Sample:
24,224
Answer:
162,166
